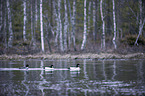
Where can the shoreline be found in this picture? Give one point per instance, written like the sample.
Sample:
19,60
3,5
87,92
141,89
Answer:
77,56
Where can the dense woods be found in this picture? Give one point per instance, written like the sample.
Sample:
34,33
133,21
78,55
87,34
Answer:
51,26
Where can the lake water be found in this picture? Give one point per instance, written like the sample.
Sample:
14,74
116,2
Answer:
96,77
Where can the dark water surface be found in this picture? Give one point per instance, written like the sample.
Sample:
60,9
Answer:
96,77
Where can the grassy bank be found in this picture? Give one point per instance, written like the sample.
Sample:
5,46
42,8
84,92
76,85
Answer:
77,56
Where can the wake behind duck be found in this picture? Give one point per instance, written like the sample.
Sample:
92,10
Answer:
50,68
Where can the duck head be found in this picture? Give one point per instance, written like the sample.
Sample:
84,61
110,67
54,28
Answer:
77,65
51,66
27,65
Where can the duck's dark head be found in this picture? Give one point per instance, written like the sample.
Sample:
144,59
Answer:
77,65
27,65
51,66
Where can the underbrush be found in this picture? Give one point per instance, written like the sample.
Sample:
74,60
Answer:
124,46
130,40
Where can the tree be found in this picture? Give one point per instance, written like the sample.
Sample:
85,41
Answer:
60,26
25,18
36,13
103,26
57,25
5,25
1,15
94,20
10,41
33,24
114,22
141,22
74,24
85,27
63,22
65,26
89,15
41,27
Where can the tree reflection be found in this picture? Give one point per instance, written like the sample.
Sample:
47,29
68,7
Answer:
85,69
140,73
114,70
104,72
95,77
25,80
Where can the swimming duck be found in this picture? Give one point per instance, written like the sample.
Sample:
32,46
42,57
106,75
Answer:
49,68
26,67
75,68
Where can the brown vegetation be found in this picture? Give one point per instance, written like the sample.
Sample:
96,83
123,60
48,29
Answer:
77,56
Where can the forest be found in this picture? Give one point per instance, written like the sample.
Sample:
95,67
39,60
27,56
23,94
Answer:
72,26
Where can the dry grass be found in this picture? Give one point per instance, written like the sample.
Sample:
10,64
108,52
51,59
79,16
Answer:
76,56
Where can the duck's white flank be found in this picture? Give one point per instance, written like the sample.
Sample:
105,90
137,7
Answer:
74,68
48,68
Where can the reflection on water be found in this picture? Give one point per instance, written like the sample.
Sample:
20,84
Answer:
102,77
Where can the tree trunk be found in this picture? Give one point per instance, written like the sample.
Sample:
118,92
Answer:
46,36
140,32
103,26
89,14
41,27
94,20
141,22
65,26
70,32
5,27
60,26
36,13
25,18
32,25
10,41
57,25
85,27
32,21
114,22
73,24
1,17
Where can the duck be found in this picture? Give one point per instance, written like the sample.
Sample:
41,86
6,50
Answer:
75,68
25,67
49,68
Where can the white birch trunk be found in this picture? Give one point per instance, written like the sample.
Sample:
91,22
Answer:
10,41
25,18
65,26
31,21
94,19
114,23
89,14
103,26
32,26
1,16
70,33
41,27
36,13
141,22
140,7
5,28
140,32
60,26
85,27
57,27
73,24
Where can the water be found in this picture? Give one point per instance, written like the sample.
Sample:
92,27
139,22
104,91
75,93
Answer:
96,77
